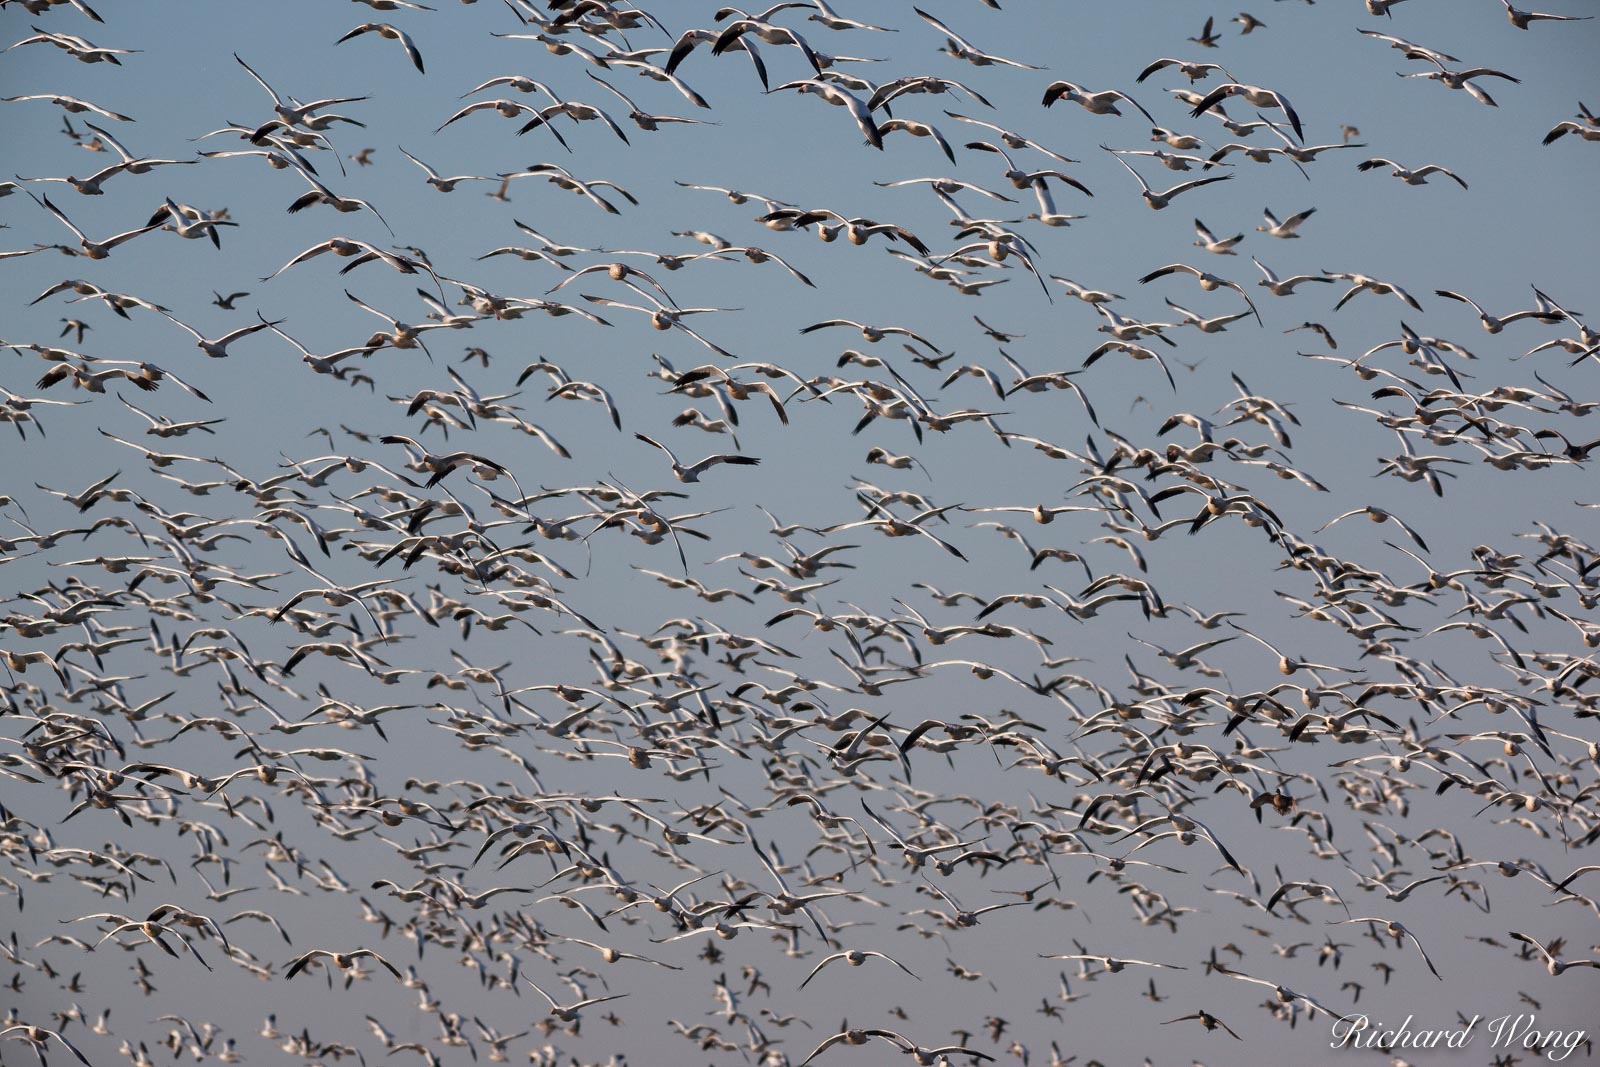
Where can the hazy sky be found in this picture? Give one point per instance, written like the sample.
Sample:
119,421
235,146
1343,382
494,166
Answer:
1525,221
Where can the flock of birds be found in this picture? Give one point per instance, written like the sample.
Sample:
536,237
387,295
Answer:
371,708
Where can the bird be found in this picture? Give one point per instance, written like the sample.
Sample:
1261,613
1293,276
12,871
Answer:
37,1036
1397,931
569,1012
390,33
343,960
1158,201
1101,103
91,248
70,104
1193,71
1418,176
1285,286
839,97
1289,228
1211,243
1493,323
1287,664
218,349
1523,20
958,46
509,109
444,185
1553,965
1462,79
1377,514
434,506
1255,96
855,958
645,120
1111,963
1208,281
1584,131
293,112
1207,1020
692,472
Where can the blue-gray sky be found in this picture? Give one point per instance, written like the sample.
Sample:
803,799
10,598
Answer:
1526,220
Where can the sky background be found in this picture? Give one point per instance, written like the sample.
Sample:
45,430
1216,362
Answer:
1526,220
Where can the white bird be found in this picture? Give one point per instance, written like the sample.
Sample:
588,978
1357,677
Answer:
855,957
36,1036
614,955
343,960
509,109
1524,19
190,222
1288,229
390,33
1256,96
645,120
732,36
1287,664
839,97
1583,129
1284,994
163,427
1012,140
663,317
1361,283
1156,200
89,186
1211,243
562,178
872,334
321,194
960,48
692,472
77,47
1102,103
1171,160
292,112
1110,963
1208,281
348,247
93,249
70,104
1377,514
1285,286
1495,323
1193,71
1088,296
218,349
135,164
834,21
1462,79
1216,324
569,1012
1137,352
1412,51
1047,214
1552,964
444,185
577,111
1419,176
1397,931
